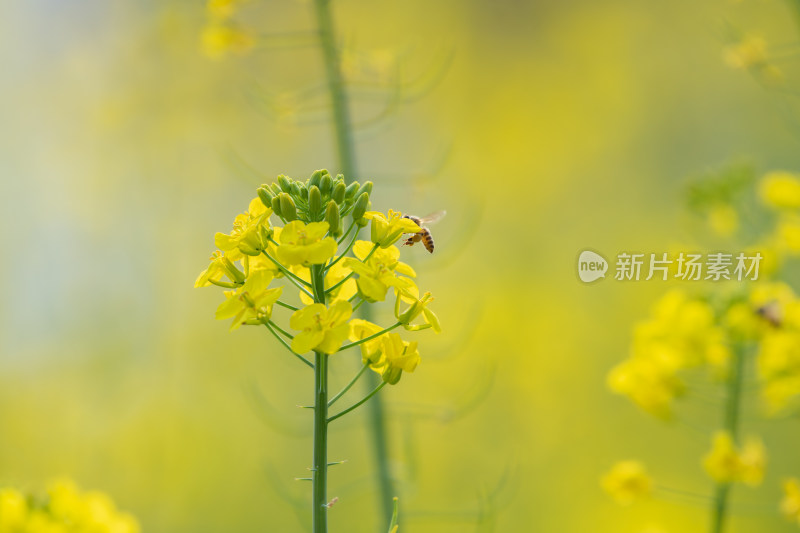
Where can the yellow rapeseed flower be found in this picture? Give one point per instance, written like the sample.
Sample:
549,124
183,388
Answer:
252,301
379,272
221,265
220,39
648,383
726,464
305,244
417,307
321,328
398,356
790,504
781,189
387,229
372,350
250,234
750,52
627,481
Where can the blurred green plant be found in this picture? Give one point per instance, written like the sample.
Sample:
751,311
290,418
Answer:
310,252
729,330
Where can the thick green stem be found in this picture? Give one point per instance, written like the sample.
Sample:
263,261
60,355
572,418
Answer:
345,147
732,406
341,114
319,476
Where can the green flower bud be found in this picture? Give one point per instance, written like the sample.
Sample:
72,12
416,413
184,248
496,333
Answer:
366,187
295,189
276,205
285,183
338,192
316,177
276,189
350,191
265,195
236,275
392,375
304,193
361,206
314,202
288,209
361,222
326,185
332,216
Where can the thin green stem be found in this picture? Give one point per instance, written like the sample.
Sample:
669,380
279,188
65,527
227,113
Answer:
346,233
367,339
350,275
358,403
349,246
281,330
349,385
287,306
359,304
286,272
719,507
224,284
286,345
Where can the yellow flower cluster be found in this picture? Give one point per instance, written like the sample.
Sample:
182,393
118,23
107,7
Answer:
65,509
790,504
725,463
305,252
682,333
627,481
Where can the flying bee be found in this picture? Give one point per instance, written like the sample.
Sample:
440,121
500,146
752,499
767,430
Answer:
424,235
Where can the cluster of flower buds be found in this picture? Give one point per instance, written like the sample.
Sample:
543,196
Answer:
319,198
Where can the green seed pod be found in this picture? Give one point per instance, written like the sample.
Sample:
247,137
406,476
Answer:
365,188
326,185
276,205
316,177
265,195
338,192
288,209
350,191
314,202
332,216
285,183
361,206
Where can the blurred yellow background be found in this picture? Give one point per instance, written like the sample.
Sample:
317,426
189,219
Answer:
556,126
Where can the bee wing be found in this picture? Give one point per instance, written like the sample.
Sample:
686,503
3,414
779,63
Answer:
433,217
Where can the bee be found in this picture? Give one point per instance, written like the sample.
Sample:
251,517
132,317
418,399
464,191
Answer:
424,235
772,313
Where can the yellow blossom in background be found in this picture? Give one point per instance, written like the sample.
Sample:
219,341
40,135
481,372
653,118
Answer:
723,220
305,244
726,464
387,230
787,233
781,190
222,9
321,328
65,509
722,462
380,271
220,39
750,51
790,504
627,481
648,383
